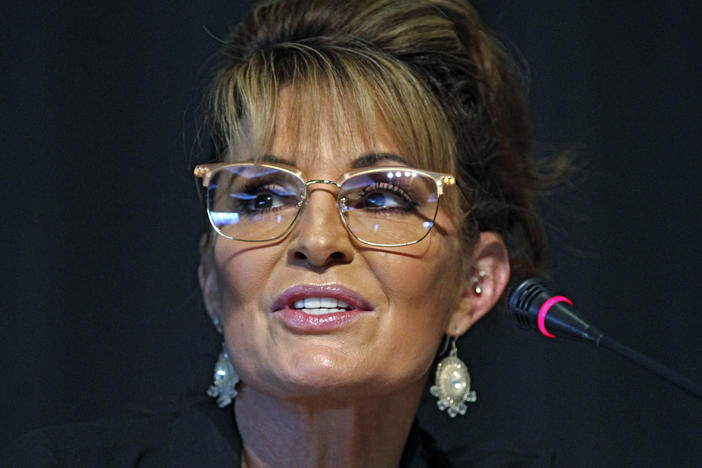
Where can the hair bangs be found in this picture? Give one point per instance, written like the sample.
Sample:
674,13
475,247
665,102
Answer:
351,91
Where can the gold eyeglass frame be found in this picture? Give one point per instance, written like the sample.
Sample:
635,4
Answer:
205,172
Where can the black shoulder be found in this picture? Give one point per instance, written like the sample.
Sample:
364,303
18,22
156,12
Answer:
504,454
136,440
423,451
145,438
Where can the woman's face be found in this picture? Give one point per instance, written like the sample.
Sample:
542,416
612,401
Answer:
404,297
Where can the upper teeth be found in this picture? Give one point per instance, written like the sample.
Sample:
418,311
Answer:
320,305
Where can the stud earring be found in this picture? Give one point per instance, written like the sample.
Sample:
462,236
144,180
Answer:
217,324
452,383
477,282
225,380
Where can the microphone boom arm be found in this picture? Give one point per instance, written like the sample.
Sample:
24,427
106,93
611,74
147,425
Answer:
535,307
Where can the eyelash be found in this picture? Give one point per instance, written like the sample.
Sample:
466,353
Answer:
394,189
260,188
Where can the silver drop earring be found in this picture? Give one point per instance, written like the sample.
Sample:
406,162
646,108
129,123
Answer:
225,380
452,383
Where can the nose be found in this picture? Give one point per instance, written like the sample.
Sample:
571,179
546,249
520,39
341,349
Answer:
320,238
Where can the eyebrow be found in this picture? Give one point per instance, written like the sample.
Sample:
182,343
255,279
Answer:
269,158
367,160
371,159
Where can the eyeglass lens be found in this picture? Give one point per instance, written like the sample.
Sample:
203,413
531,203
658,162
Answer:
385,207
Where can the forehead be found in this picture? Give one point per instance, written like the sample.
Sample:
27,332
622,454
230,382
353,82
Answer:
311,127
338,151
331,131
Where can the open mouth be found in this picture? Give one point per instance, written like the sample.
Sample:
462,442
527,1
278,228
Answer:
309,308
321,305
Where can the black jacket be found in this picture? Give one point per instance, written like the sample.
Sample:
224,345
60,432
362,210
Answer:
199,434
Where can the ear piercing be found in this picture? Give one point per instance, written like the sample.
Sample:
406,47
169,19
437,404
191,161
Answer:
217,324
477,285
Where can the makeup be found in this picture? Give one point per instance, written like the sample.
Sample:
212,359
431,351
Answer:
309,308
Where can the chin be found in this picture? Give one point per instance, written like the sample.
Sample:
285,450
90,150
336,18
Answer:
328,376
318,374
321,368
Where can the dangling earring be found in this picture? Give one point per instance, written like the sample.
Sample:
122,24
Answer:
225,380
452,383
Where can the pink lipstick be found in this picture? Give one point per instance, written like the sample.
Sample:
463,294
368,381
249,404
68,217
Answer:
319,309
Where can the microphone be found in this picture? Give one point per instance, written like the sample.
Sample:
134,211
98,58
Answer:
535,307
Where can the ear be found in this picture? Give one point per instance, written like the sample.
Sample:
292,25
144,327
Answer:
207,277
488,268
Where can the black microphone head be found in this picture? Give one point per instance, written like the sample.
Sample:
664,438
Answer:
533,305
522,295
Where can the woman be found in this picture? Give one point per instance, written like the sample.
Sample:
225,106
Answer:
370,194
329,271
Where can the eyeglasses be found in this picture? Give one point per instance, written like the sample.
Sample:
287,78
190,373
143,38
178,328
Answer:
381,206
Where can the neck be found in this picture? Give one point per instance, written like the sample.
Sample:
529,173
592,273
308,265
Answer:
364,433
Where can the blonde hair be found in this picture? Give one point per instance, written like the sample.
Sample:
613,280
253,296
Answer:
445,91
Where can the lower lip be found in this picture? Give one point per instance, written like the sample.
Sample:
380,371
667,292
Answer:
305,323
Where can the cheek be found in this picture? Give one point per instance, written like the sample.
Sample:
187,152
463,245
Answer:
242,277
426,285
242,274
422,293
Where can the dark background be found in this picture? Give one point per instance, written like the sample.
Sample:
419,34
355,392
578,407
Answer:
100,307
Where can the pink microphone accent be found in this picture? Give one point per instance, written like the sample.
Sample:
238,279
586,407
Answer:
544,310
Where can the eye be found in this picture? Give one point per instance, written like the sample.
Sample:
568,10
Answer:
384,196
265,198
382,200
265,201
